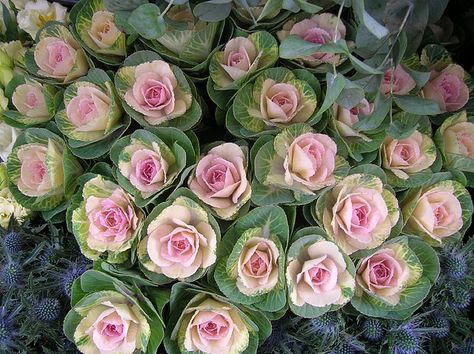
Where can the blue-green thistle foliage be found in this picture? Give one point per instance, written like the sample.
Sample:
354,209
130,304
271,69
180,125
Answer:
373,329
12,242
11,274
47,309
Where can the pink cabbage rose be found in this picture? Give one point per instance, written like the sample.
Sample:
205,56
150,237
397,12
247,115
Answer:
111,324
257,267
239,55
318,276
179,241
384,274
438,213
29,100
447,88
397,81
319,29
356,213
60,60
346,118
88,110
406,156
112,220
459,139
214,327
220,179
311,160
34,179
155,92
147,170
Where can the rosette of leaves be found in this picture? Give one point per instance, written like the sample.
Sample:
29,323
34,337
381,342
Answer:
421,270
176,152
263,232
448,138
97,32
52,98
180,213
185,89
436,227
248,117
58,32
299,258
60,166
271,164
180,37
247,329
260,48
98,193
363,180
95,138
96,298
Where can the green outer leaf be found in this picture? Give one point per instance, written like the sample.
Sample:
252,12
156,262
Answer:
417,105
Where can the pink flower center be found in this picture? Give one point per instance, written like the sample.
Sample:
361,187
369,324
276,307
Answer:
317,35
318,275
257,265
235,58
57,51
148,169
112,330
466,144
31,100
216,176
157,95
180,245
86,107
440,214
214,329
283,101
39,171
450,87
360,215
380,274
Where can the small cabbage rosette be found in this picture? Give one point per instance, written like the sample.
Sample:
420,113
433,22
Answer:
98,33
240,58
187,42
179,241
319,276
57,57
455,140
10,55
92,117
277,99
393,280
203,322
42,170
31,103
220,179
295,166
8,136
358,213
148,162
105,221
438,212
407,161
345,119
259,13
447,88
319,29
35,14
251,265
156,93
396,81
104,321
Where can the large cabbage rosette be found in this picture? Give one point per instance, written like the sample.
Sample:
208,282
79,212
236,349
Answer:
108,316
92,117
278,98
438,212
31,103
204,322
105,220
393,280
358,213
97,31
187,41
220,179
455,140
42,171
294,166
251,259
319,276
56,57
154,92
179,240
149,162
